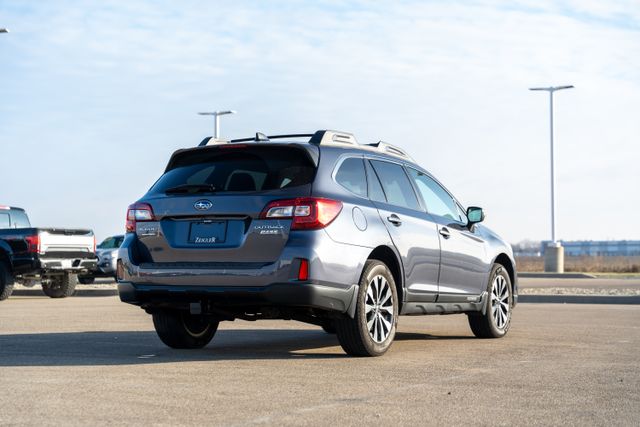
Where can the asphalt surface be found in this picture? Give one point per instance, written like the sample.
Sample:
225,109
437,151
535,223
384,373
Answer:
94,360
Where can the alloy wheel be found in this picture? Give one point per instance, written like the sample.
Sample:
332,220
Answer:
500,301
379,309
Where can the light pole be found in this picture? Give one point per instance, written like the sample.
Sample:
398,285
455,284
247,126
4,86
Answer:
554,254
216,115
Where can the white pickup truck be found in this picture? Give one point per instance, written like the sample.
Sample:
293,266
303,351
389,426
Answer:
52,256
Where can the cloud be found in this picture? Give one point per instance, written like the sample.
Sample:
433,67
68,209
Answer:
111,88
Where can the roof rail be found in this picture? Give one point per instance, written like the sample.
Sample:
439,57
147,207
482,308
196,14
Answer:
260,137
212,141
385,147
333,137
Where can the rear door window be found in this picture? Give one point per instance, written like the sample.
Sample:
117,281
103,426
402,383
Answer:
248,169
351,176
19,219
396,185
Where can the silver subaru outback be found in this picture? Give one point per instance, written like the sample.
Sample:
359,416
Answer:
316,228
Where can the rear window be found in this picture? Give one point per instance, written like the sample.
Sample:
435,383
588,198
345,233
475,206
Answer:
238,170
111,242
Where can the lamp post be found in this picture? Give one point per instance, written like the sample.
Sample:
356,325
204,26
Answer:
216,115
554,253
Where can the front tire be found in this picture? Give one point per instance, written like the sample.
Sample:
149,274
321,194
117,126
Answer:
61,286
496,320
371,331
6,281
179,329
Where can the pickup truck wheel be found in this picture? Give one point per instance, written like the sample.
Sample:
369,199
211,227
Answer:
6,282
371,331
497,318
61,286
179,329
86,280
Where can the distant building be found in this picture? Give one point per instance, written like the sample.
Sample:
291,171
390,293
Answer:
598,247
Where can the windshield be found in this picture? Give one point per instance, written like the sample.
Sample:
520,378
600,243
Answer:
111,242
246,169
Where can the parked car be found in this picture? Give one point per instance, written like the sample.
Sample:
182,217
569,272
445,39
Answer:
107,253
52,256
325,231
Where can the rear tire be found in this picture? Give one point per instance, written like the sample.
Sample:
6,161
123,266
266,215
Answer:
496,321
6,281
329,327
371,331
61,286
179,329
86,280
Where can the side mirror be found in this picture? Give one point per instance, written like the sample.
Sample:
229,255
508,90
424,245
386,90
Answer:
475,215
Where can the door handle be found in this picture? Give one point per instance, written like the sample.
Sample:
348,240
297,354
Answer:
444,232
395,220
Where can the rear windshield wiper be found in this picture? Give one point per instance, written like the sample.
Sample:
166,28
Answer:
192,188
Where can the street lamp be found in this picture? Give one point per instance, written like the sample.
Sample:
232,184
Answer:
554,254
216,115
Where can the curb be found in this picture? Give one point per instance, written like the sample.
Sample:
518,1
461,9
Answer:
556,275
579,299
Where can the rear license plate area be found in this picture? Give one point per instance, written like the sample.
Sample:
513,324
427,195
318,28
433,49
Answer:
208,232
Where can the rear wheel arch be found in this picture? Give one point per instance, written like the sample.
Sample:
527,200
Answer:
392,261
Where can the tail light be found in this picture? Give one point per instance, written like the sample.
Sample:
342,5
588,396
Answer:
309,213
94,244
138,212
33,243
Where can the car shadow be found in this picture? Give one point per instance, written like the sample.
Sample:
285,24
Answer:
128,347
144,347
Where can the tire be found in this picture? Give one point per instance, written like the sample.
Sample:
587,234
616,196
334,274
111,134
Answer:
329,327
61,286
371,331
86,280
6,281
496,321
179,329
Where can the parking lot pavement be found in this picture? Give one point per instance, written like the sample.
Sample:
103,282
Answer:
96,361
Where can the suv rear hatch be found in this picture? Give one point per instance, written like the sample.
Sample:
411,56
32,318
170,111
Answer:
205,211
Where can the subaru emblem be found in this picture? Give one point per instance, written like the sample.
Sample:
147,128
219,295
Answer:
203,205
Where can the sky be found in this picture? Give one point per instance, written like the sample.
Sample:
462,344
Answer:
96,95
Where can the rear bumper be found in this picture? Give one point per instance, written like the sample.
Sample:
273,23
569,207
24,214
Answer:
291,295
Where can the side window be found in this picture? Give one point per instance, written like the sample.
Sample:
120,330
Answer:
19,219
375,189
4,221
438,201
463,214
351,176
395,184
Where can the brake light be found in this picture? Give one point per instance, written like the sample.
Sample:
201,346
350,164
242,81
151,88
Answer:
33,243
94,244
307,213
138,212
